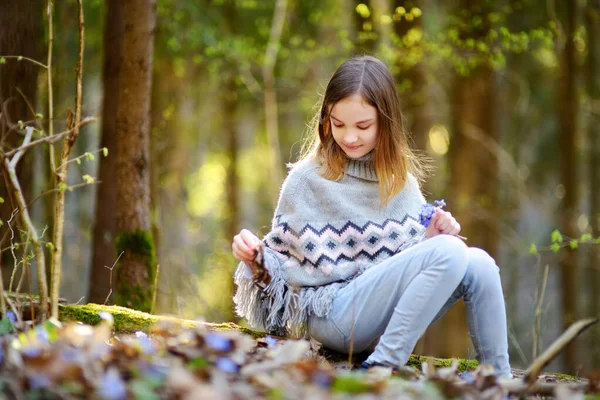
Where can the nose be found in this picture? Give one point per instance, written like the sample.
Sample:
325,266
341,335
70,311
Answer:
350,138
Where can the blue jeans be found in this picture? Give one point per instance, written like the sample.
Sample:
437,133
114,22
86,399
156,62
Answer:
389,307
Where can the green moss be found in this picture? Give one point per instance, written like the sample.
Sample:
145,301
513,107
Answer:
128,320
139,242
351,384
138,296
463,364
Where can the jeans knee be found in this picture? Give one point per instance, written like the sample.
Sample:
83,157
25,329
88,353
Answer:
482,265
454,253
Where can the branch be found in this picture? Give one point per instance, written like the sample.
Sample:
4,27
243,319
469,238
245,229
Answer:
21,150
559,344
19,58
61,176
51,139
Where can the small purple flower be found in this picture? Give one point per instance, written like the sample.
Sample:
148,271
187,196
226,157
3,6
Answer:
428,210
467,376
227,365
42,334
218,342
11,316
31,351
112,386
39,380
271,342
322,379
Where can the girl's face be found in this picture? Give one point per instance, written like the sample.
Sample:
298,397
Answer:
354,125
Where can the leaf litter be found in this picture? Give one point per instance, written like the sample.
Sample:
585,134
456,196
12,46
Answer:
72,361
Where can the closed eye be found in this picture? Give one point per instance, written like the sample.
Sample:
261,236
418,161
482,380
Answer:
363,128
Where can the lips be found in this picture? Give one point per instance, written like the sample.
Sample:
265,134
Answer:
353,147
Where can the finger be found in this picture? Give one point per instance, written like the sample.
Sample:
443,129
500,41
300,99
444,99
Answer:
435,218
250,238
443,223
238,254
242,247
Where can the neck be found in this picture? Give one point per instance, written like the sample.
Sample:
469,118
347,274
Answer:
363,167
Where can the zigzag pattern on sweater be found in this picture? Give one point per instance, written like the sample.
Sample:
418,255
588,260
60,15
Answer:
328,245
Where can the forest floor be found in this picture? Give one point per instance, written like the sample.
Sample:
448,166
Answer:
117,353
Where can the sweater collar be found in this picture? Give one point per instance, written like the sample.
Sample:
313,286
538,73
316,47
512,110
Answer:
363,167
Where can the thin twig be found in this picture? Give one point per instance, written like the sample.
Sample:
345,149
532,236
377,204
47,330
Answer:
538,313
86,154
28,225
49,79
61,176
110,277
51,138
27,59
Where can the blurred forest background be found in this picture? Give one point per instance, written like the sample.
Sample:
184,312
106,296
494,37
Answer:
503,95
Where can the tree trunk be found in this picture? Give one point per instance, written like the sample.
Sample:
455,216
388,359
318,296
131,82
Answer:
135,272
567,110
20,36
105,226
593,85
413,80
473,171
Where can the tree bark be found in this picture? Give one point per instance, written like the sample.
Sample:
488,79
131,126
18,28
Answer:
20,36
413,78
473,170
270,95
567,110
135,272
593,84
105,225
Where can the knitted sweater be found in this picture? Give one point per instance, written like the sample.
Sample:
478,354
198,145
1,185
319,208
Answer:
324,234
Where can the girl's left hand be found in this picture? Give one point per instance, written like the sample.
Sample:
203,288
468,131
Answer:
442,222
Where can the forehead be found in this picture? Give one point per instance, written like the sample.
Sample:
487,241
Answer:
353,108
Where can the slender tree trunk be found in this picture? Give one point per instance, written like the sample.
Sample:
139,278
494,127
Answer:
473,171
270,94
105,226
20,36
413,81
135,273
568,110
593,85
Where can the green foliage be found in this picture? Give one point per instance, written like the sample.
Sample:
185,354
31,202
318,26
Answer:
556,236
533,249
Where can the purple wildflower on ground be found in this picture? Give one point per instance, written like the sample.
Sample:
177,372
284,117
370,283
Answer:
11,316
428,210
218,342
227,365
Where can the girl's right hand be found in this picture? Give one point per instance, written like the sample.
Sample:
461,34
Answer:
244,245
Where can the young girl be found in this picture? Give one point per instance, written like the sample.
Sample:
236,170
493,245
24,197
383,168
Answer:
347,259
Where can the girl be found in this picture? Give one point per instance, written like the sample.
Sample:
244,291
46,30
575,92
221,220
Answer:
347,260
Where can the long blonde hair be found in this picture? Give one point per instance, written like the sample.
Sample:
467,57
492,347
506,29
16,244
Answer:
393,157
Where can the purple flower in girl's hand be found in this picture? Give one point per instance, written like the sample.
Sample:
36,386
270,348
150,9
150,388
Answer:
428,210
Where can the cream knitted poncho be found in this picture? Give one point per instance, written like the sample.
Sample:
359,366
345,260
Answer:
324,234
